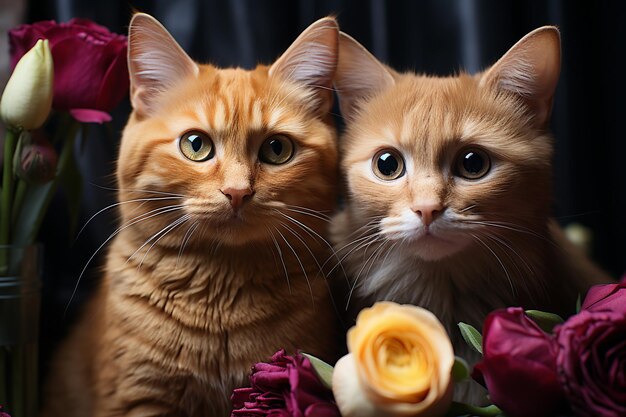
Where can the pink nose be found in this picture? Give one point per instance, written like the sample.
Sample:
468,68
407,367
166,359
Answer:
237,196
428,212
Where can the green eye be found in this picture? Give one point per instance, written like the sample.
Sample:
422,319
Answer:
276,150
473,164
388,164
196,146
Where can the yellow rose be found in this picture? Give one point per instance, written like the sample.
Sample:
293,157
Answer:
400,364
27,98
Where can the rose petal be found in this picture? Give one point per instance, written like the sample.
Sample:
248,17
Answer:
78,75
349,395
606,297
588,343
519,365
24,37
90,115
321,410
115,83
522,387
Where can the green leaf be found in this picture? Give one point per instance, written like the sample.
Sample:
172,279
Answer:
579,304
35,201
462,409
323,370
460,369
472,337
546,321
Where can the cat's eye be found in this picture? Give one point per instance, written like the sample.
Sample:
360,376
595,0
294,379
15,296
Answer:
388,164
276,150
196,146
473,164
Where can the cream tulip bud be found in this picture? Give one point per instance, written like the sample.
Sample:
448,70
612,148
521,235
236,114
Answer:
27,98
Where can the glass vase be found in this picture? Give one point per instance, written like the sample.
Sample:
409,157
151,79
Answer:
20,297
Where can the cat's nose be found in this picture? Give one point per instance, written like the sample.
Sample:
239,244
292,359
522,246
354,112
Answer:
428,212
237,196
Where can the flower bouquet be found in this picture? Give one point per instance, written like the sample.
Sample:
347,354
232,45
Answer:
65,76
401,363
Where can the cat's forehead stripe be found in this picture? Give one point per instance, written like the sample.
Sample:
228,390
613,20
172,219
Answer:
470,129
256,115
201,116
219,122
275,115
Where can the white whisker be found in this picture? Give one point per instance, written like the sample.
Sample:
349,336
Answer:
166,230
371,257
119,204
300,263
282,259
134,221
293,232
499,261
186,239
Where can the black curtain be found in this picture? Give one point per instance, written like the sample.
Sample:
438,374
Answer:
428,36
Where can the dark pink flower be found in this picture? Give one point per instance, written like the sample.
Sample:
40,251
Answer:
519,365
90,71
591,362
2,413
606,297
285,387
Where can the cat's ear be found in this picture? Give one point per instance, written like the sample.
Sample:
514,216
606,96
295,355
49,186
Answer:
359,75
531,70
311,60
155,62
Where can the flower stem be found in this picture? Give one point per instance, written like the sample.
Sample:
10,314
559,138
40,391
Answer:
70,128
10,142
20,194
461,409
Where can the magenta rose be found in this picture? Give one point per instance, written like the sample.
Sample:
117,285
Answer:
591,362
606,297
519,365
285,387
90,70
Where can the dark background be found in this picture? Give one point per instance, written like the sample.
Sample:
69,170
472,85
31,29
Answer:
434,37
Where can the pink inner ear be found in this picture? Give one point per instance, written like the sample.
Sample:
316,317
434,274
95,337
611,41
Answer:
156,61
312,58
531,70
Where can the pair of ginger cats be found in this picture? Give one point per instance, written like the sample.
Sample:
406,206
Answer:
227,178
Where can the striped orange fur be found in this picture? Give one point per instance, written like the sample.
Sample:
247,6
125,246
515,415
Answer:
217,263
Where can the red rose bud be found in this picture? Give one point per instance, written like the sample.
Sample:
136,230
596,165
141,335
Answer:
591,362
90,71
606,297
35,159
519,365
286,387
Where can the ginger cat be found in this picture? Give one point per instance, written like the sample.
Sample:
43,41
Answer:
224,178
449,187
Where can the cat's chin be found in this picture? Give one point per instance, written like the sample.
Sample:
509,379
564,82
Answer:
433,248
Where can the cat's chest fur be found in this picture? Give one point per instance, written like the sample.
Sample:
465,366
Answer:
191,328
